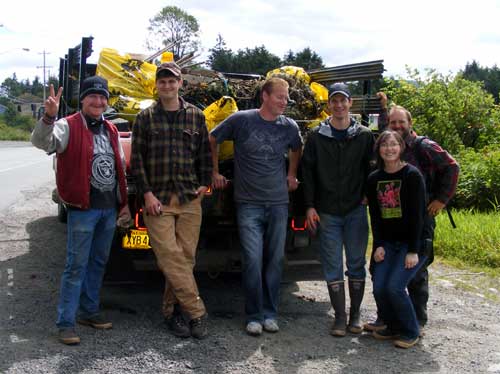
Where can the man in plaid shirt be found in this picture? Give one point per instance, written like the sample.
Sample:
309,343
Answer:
172,162
440,172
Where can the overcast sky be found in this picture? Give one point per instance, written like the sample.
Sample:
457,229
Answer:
444,35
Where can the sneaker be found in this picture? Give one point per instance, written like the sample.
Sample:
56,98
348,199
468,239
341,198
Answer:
97,322
199,328
405,342
376,325
385,334
178,326
254,328
68,336
271,325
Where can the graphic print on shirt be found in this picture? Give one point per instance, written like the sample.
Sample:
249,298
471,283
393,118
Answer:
263,143
103,164
389,199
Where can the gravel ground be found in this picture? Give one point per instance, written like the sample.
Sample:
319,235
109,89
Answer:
462,335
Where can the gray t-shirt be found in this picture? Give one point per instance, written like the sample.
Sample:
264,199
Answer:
259,155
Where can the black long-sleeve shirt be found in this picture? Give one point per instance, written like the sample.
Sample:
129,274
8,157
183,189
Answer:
397,207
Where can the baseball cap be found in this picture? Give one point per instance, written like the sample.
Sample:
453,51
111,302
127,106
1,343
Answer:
339,88
171,67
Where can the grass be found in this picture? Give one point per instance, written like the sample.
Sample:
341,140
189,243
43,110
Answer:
10,133
474,243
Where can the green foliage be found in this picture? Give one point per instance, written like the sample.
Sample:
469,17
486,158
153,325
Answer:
258,60
11,133
489,76
306,59
479,183
172,24
475,241
449,109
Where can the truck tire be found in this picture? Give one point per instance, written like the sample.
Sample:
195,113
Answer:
62,213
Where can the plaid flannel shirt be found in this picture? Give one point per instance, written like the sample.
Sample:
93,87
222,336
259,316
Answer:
439,168
171,158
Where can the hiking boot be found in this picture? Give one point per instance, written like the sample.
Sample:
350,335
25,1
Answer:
199,328
405,342
178,326
376,325
271,325
421,331
254,328
97,322
337,298
356,293
68,336
385,334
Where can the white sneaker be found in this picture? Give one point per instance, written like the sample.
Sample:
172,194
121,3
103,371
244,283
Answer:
254,328
271,325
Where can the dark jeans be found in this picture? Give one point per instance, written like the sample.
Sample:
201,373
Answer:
262,230
390,279
418,288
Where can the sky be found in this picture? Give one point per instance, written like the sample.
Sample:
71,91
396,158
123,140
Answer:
443,35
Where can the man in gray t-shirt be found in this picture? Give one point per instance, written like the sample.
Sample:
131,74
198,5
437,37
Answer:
261,137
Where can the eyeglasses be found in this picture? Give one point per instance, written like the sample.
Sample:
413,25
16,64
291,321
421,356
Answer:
389,145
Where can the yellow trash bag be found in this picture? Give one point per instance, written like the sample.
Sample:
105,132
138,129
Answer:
126,76
315,122
293,71
128,107
320,92
215,113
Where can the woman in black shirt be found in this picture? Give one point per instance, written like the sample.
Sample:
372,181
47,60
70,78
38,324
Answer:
396,196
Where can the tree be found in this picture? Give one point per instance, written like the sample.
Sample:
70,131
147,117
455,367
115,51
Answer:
306,59
489,76
452,110
255,61
172,24
221,58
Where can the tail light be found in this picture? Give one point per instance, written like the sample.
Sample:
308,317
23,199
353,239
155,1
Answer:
298,224
139,221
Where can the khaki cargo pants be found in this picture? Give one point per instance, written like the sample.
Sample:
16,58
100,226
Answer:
174,238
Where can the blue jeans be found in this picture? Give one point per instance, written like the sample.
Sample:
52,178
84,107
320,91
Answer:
90,234
262,230
390,279
349,231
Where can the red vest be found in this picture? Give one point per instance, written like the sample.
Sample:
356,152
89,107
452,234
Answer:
74,165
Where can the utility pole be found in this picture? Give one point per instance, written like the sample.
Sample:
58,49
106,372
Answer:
44,66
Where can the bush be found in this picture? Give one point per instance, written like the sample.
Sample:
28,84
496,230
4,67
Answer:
11,133
479,182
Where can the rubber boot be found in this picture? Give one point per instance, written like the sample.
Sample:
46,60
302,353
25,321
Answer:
356,293
337,298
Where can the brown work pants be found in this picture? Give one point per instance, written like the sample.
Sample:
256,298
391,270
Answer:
174,237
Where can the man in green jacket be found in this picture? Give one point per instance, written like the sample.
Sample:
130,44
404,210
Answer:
335,166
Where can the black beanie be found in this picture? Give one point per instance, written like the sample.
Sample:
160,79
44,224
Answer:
94,85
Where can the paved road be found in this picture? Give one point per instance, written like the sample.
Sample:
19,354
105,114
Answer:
22,168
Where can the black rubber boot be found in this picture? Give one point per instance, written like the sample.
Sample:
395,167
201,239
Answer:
356,293
337,298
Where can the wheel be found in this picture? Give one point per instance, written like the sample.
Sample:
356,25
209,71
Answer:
62,213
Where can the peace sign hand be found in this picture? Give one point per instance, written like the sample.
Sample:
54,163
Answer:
52,102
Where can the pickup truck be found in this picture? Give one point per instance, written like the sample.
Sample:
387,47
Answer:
218,248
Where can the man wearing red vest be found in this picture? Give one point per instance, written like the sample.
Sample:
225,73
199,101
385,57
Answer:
90,179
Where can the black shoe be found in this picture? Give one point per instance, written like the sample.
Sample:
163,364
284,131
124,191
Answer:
385,334
405,342
178,326
376,325
97,322
199,328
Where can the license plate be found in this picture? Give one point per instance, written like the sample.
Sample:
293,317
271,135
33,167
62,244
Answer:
136,239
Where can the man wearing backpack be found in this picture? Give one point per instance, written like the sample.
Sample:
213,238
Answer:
440,171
